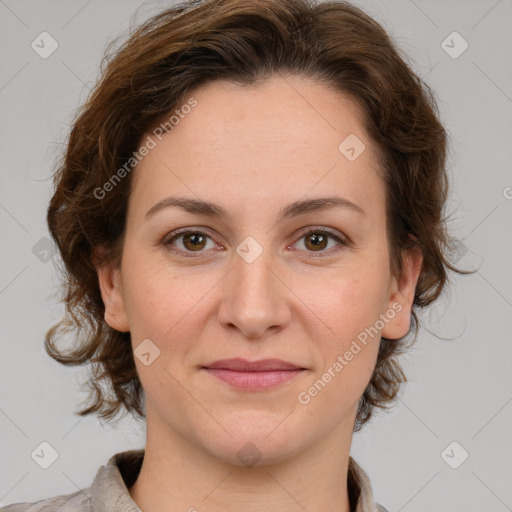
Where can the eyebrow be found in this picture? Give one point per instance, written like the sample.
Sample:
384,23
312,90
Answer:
199,207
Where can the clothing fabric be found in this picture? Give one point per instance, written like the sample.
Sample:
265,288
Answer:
109,490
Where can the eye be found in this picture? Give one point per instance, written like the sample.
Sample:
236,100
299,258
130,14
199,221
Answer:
316,240
192,241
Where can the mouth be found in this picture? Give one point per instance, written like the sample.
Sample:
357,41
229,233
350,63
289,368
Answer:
255,375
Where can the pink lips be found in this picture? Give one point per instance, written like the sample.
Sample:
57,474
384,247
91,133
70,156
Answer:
255,375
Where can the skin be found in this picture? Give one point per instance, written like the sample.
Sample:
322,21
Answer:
254,150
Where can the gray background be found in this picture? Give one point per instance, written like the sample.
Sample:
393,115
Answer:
460,383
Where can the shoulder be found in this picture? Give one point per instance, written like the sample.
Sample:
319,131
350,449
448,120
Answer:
74,502
107,491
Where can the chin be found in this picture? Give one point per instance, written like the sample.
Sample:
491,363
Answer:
251,452
257,439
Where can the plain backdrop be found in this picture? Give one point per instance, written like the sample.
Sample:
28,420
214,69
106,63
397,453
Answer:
458,399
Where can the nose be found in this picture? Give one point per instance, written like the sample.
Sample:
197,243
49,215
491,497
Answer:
255,298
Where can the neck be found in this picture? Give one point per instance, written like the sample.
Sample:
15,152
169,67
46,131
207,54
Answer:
177,474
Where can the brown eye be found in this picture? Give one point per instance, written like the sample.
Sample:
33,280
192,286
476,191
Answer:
190,241
316,241
194,241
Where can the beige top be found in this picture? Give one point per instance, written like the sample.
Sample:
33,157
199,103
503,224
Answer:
109,490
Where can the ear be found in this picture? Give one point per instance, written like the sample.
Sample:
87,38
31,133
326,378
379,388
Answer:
401,298
110,283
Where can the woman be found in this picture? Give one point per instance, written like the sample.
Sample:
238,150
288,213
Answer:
249,210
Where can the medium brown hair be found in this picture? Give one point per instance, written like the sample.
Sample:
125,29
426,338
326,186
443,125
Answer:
243,41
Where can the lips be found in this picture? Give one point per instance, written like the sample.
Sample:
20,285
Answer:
253,375
263,365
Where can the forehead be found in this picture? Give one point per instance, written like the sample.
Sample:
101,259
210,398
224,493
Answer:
280,113
280,138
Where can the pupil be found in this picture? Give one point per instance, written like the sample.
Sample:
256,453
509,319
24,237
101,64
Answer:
194,239
317,240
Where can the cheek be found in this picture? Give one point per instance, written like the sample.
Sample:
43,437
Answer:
350,304
166,305
351,309
147,307
159,310
347,357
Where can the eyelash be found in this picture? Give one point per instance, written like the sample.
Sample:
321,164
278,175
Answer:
322,231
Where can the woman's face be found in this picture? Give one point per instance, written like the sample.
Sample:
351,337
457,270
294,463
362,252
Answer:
265,279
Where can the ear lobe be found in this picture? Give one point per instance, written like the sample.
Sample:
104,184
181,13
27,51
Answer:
403,290
111,293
